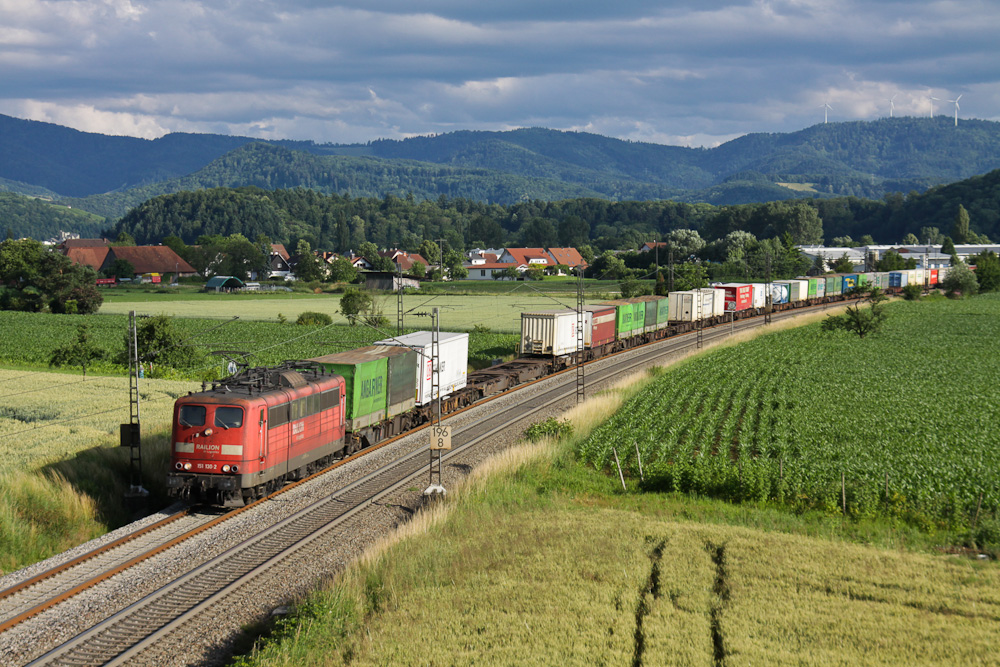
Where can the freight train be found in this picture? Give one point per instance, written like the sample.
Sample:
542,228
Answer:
249,434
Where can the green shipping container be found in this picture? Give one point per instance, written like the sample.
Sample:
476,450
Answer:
657,311
834,285
813,287
366,378
662,312
625,317
403,363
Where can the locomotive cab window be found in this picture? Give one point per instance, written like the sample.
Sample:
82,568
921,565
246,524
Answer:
192,415
229,417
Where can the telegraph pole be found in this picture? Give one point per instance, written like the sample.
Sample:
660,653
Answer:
130,432
670,270
700,330
440,436
399,301
767,291
580,322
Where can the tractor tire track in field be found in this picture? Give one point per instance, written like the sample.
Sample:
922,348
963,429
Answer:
647,596
721,589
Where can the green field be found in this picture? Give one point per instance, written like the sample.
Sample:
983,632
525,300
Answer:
902,422
495,311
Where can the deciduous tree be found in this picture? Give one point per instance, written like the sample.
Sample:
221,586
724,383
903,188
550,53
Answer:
858,319
960,280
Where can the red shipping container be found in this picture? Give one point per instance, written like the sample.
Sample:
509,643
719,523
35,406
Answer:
738,295
934,277
603,328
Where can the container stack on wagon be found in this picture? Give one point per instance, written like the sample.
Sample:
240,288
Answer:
738,296
554,332
380,382
453,355
798,290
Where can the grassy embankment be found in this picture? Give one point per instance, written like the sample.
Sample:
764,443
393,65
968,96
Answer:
574,570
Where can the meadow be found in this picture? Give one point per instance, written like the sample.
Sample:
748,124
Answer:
47,417
899,423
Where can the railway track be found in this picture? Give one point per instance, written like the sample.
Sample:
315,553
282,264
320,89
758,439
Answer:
128,632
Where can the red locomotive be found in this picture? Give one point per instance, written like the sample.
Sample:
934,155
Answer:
249,434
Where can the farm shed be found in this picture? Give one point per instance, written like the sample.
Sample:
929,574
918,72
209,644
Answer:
383,280
223,283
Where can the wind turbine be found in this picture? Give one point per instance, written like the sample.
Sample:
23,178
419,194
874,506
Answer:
955,102
892,106
826,111
932,98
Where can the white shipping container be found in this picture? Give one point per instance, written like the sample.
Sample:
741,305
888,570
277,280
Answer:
681,306
713,302
453,351
553,332
759,295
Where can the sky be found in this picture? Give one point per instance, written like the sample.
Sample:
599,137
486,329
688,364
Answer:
686,72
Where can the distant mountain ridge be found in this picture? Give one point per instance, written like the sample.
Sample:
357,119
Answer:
108,175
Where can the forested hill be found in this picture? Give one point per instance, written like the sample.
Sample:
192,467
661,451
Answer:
339,223
23,216
864,159
276,167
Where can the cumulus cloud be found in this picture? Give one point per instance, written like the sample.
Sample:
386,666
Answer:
691,73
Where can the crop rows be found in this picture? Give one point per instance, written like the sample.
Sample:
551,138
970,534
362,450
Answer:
901,422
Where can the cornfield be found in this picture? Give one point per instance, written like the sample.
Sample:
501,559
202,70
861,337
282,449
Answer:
902,422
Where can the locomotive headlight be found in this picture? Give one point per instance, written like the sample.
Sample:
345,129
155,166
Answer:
187,466
225,468
208,431
179,465
235,469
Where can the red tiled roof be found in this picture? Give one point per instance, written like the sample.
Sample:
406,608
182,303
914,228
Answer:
82,243
92,256
568,256
149,259
406,260
280,249
525,255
